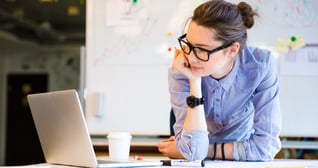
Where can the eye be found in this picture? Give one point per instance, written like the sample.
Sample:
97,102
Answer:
201,51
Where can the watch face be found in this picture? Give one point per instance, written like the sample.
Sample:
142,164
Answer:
194,101
191,102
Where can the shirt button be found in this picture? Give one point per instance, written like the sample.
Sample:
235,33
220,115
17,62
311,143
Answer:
218,99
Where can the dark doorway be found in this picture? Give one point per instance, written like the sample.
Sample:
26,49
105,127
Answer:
22,143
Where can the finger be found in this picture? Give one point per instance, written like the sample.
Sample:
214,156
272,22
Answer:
162,149
166,140
159,145
177,52
171,138
159,149
162,144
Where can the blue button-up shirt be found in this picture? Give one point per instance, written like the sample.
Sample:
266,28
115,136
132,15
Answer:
242,108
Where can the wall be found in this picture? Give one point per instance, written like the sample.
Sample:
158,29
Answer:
130,47
2,108
61,63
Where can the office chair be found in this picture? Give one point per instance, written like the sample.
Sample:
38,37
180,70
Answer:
172,121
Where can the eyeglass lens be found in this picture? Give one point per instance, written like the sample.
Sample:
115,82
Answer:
199,53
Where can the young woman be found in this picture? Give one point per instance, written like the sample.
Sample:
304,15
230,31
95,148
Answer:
224,94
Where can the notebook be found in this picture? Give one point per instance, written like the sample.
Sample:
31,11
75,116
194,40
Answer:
63,133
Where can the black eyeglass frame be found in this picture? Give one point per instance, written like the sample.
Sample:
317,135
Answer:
209,52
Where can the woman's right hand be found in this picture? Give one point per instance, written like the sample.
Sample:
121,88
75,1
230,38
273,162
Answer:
181,63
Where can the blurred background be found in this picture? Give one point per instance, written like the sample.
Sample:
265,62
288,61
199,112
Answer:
40,43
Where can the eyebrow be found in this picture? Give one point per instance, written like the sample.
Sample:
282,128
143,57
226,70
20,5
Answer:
200,45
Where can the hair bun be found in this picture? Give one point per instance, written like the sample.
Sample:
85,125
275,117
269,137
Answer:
247,14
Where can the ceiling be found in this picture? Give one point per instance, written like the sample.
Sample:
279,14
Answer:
44,21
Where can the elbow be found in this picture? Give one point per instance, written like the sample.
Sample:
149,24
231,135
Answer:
196,148
265,157
264,150
262,157
263,154
198,151
198,155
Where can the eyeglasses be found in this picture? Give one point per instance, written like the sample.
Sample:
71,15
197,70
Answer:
200,53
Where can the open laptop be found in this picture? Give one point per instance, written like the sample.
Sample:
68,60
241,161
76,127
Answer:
63,132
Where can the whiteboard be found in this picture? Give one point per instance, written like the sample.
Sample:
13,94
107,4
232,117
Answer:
299,92
129,47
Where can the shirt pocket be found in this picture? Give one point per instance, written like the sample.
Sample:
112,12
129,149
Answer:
244,113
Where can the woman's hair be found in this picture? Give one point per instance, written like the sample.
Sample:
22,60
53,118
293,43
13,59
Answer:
230,21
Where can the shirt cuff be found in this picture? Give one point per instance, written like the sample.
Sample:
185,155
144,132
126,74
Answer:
239,151
196,144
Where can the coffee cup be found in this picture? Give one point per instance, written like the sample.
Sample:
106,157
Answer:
119,146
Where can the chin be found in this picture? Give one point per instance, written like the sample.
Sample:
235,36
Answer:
198,73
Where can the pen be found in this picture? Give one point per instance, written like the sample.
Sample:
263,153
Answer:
183,163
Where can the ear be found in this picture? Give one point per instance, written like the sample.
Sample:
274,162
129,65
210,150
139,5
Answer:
234,49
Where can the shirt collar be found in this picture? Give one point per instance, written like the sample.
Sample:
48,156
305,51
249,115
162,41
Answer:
227,81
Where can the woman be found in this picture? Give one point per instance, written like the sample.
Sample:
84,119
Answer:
224,94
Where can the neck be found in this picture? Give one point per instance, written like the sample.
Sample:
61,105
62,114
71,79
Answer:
226,71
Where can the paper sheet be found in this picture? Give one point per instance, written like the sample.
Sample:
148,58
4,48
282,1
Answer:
303,62
120,13
272,164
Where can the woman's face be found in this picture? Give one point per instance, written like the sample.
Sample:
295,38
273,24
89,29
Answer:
219,62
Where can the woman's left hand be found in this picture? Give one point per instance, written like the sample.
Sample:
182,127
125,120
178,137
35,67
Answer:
168,148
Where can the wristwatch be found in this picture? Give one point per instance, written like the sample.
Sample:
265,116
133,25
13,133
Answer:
193,101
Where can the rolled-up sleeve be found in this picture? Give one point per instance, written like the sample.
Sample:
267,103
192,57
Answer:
194,145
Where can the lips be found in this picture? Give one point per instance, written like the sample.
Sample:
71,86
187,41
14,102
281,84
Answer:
195,68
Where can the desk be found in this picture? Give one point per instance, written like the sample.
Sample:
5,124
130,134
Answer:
222,164
273,164
147,148
148,145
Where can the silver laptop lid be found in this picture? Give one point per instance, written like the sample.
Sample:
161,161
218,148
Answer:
61,127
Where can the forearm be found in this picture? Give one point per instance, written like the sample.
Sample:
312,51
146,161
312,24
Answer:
195,118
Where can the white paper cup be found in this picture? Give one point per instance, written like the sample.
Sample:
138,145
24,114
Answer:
119,146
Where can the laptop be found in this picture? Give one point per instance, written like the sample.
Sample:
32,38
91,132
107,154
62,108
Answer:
63,133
